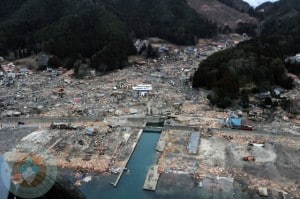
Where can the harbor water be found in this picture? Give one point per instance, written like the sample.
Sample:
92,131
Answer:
131,183
170,186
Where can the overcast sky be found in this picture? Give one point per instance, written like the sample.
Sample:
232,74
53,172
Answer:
255,3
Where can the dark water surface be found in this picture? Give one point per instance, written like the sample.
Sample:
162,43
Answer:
130,185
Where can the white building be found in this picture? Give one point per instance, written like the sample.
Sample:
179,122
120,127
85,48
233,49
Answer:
143,89
11,74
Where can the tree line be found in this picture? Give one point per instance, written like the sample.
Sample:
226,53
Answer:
99,30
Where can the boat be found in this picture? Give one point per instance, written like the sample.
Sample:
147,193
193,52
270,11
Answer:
87,179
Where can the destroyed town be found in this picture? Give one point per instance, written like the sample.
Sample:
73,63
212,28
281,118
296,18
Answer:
150,129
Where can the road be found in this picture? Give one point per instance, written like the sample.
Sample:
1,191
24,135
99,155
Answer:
9,137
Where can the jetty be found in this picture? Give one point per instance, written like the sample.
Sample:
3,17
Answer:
115,184
151,179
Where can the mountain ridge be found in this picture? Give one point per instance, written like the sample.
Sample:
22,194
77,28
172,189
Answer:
258,62
223,14
101,30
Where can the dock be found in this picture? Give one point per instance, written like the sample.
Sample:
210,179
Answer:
115,184
160,147
153,129
151,179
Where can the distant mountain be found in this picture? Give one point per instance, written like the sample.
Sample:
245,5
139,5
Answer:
7,7
172,20
264,8
65,28
258,64
280,26
238,5
229,13
98,29
256,3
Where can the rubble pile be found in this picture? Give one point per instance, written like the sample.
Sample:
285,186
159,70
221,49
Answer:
55,93
175,157
93,123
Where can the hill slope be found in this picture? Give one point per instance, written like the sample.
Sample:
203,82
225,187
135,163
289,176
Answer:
239,5
221,13
66,28
98,29
172,20
257,63
281,27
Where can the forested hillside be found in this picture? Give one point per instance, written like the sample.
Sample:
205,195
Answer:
229,15
257,64
101,30
67,28
239,5
281,28
172,20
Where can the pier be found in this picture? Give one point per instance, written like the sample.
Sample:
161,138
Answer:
148,127
151,179
157,129
115,184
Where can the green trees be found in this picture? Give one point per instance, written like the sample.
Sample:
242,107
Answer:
268,101
228,71
281,30
67,29
277,70
209,73
109,58
172,20
257,62
7,7
227,88
100,29
247,28
244,99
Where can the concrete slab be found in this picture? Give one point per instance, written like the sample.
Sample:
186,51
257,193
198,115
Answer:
151,179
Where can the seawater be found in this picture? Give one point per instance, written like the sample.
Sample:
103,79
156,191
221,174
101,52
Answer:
170,186
130,185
